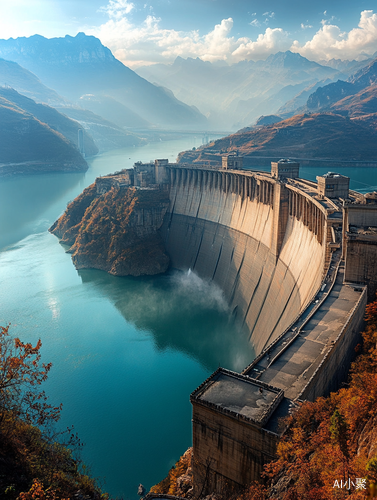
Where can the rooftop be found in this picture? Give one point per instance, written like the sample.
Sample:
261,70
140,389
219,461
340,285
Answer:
236,395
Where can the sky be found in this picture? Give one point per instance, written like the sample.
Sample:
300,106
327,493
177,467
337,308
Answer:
140,32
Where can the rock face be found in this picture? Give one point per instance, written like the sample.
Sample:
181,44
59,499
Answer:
116,231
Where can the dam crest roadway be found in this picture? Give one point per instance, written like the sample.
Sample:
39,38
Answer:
295,260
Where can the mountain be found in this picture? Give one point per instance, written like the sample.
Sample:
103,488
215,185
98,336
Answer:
80,65
346,67
357,105
50,116
236,95
26,83
324,97
28,145
321,136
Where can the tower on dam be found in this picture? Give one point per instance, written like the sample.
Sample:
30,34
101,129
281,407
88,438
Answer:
285,169
232,161
333,185
360,242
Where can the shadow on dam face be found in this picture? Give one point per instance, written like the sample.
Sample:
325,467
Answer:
182,311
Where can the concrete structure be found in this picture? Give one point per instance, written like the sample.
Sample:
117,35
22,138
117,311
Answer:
270,246
273,245
232,162
285,169
332,185
360,242
229,415
252,236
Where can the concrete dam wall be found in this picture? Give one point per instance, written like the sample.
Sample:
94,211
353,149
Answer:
261,241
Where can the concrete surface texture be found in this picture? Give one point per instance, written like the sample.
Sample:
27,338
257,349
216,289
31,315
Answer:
253,237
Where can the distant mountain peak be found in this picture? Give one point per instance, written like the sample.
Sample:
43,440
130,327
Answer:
290,59
78,49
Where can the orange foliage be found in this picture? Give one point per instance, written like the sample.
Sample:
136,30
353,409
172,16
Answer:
21,374
37,492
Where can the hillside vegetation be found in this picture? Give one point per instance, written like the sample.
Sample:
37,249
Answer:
51,117
319,135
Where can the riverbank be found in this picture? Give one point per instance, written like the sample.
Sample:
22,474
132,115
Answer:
41,167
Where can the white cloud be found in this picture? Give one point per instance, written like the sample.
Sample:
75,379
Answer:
255,22
116,9
149,42
331,42
273,40
306,26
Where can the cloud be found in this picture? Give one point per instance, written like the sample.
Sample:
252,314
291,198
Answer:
330,42
116,9
149,42
306,26
273,40
255,22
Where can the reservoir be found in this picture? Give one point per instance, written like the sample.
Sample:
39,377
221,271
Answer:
126,352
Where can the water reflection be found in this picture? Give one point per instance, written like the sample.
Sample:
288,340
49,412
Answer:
182,312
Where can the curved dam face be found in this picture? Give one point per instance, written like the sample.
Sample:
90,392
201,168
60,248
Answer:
262,242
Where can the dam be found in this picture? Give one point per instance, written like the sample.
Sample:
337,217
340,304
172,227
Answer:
280,249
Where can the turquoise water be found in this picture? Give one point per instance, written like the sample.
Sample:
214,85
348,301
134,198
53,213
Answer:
126,352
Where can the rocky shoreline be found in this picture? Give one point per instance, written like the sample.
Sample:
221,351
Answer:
116,231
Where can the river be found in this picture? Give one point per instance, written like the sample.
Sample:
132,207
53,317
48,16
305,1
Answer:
126,352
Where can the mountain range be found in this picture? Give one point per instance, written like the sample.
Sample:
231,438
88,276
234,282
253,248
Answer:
237,95
308,109
77,66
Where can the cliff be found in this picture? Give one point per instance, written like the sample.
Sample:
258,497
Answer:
116,231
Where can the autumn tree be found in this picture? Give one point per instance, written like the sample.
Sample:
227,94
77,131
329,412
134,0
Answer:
21,374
